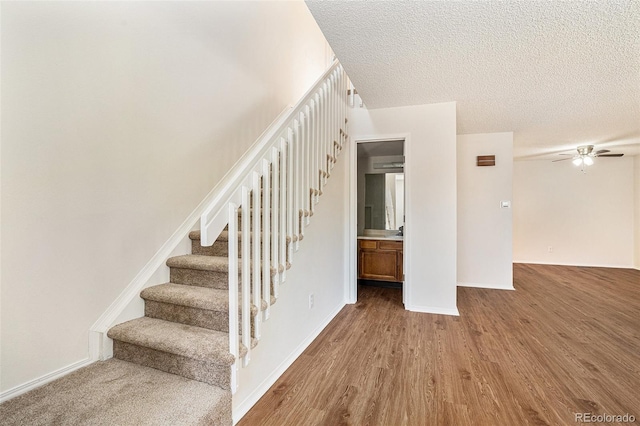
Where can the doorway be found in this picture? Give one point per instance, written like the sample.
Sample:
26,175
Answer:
377,214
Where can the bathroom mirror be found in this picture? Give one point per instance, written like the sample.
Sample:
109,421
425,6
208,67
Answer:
384,201
380,174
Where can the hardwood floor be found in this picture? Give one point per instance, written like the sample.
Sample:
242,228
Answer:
566,341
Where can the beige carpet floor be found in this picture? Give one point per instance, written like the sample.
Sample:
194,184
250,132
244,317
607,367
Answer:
117,393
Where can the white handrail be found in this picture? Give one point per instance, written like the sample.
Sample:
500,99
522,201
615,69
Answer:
278,181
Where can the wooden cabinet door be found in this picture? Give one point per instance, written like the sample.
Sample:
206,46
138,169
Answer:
400,276
378,265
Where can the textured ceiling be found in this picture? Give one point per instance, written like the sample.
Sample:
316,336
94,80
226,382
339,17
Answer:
557,74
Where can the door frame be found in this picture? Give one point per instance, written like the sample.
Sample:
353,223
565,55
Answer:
351,290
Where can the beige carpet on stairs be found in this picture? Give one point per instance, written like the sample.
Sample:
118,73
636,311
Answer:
119,393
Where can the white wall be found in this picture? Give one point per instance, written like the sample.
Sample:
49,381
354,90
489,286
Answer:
118,118
485,241
637,210
586,218
430,191
319,268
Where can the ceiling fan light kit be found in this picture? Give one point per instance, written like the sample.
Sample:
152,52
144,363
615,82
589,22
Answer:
586,154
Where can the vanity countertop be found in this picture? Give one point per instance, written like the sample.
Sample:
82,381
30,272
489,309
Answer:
381,237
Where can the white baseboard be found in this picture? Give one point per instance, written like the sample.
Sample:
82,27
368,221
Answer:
487,286
432,310
49,377
242,408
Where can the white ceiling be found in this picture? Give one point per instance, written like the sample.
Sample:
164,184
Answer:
557,74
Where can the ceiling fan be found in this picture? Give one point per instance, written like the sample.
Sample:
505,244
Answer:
586,154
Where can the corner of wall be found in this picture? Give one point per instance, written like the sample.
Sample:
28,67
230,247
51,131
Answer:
637,210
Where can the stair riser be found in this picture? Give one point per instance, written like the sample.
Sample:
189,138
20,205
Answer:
213,374
213,320
250,221
211,279
219,248
226,228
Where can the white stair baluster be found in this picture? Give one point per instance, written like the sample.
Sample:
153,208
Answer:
275,199
234,338
322,137
304,170
246,273
266,236
291,176
256,290
282,227
313,169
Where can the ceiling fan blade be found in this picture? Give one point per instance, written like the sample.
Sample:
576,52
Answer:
601,151
610,155
561,159
566,154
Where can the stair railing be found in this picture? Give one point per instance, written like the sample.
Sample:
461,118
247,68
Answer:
273,190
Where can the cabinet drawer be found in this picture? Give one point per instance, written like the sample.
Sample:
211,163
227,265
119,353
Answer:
368,244
390,245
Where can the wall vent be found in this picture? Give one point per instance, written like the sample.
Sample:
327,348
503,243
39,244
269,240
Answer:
486,160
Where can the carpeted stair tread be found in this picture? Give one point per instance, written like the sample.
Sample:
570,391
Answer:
199,262
194,297
187,295
116,392
192,342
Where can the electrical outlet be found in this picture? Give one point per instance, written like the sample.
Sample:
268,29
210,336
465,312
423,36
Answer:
550,249
311,301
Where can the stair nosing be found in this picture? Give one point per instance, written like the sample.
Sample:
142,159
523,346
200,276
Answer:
199,262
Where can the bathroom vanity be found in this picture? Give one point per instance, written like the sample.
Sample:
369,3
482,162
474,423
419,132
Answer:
380,258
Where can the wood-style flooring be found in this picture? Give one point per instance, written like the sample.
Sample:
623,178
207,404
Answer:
566,341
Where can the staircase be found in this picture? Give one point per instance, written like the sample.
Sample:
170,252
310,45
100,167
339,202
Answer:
186,323
185,330
203,323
